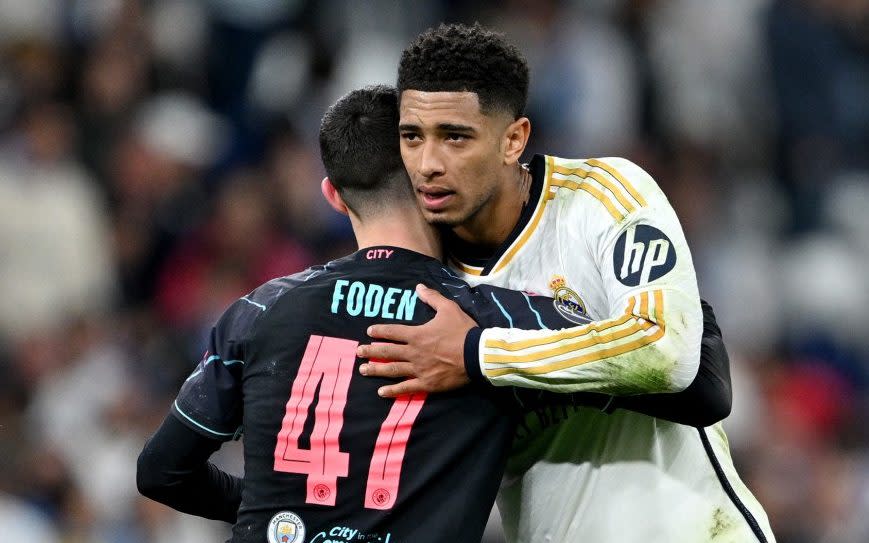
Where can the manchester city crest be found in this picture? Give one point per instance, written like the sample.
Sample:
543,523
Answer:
567,302
286,527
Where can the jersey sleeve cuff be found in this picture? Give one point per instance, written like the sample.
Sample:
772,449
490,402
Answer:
472,356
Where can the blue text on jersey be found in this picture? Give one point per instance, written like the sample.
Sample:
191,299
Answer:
373,300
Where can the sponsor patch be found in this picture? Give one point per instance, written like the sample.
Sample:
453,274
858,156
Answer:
642,254
286,527
344,534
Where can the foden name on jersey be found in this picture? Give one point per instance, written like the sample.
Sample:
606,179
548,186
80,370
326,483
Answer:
359,299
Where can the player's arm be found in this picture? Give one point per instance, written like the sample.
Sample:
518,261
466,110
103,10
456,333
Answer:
649,342
173,469
704,402
647,338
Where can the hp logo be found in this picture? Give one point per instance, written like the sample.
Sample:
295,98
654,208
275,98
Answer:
642,254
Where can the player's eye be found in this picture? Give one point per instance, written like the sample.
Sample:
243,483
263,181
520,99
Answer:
454,136
410,136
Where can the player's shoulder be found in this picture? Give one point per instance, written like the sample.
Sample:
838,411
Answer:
270,292
616,187
244,314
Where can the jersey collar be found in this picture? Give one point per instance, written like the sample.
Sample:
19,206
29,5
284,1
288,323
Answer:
391,254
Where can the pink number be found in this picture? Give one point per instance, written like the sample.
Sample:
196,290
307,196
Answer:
385,470
328,362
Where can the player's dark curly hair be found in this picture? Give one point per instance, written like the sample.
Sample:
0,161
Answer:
359,147
458,57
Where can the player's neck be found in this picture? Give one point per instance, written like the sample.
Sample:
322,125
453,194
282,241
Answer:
490,227
403,228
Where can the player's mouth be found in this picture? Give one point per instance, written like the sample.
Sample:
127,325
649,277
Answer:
435,198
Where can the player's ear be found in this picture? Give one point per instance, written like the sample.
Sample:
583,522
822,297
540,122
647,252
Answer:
515,139
330,193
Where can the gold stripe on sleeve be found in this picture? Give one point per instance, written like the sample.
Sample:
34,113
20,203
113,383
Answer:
659,308
570,333
596,355
618,177
595,340
585,359
610,186
598,195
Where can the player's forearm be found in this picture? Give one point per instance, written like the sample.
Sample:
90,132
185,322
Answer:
707,399
173,469
704,402
652,347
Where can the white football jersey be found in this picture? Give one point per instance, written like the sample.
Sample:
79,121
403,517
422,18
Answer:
601,238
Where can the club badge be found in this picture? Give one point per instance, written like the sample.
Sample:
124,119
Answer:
567,302
286,527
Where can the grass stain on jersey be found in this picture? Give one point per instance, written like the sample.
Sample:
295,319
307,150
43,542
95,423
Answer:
639,373
652,378
721,523
358,299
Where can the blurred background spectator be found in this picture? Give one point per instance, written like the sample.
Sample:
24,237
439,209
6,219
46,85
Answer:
158,159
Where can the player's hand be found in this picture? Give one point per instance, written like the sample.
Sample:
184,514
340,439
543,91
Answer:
431,354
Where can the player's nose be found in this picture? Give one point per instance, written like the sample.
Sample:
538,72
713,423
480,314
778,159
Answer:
431,162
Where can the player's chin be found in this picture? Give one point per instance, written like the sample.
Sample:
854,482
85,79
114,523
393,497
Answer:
442,218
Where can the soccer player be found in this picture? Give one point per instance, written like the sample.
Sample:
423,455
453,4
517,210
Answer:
325,457
597,234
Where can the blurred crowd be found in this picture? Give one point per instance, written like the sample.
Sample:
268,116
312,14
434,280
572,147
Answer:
158,159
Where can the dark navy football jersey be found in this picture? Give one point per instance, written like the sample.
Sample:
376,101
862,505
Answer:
327,459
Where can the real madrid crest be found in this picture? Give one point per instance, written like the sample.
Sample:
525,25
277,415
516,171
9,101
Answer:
286,527
567,302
